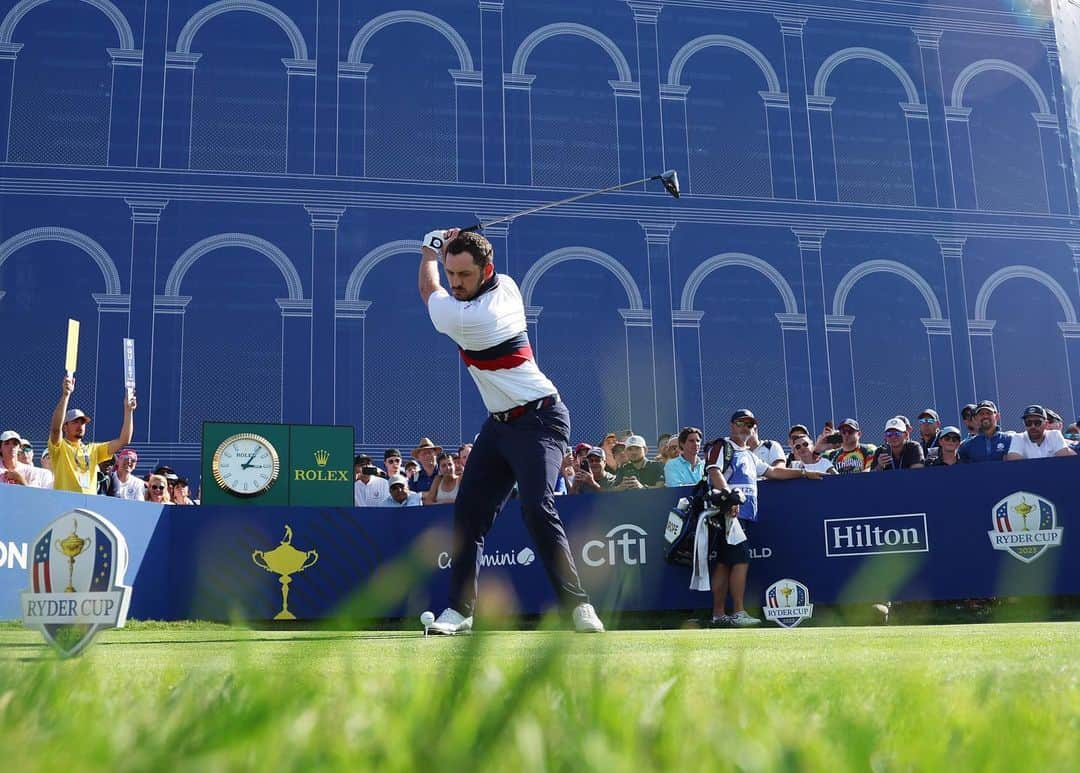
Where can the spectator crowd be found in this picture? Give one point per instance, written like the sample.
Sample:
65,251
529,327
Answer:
618,462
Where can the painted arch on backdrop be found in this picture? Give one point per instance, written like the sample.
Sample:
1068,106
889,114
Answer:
114,15
201,17
94,250
717,262
986,65
821,80
998,278
674,77
565,254
521,57
261,246
844,287
376,256
367,32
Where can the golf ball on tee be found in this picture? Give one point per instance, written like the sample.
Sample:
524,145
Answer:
427,618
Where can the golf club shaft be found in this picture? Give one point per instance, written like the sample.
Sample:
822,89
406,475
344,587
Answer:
549,205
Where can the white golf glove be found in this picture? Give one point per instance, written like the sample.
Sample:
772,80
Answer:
435,240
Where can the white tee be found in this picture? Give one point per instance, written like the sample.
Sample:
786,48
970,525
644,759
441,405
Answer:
821,465
1053,441
491,333
134,488
372,493
770,455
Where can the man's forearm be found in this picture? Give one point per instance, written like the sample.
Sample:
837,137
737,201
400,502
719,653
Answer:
57,420
428,279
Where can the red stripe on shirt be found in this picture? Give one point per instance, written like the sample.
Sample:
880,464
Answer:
519,356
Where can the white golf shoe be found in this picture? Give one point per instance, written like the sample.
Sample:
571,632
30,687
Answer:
586,620
451,623
742,619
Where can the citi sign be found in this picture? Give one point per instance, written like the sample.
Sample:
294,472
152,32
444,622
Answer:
623,544
869,535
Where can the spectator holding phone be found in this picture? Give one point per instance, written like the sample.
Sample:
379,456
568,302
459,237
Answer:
852,455
370,488
593,476
638,472
806,458
898,453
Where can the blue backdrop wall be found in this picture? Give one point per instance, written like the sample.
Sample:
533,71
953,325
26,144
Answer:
879,209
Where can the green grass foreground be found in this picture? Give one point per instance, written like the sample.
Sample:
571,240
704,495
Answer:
208,697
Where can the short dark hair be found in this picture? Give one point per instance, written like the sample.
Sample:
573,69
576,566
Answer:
662,438
686,432
473,243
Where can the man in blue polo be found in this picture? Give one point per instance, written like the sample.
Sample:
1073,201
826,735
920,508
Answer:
990,444
524,438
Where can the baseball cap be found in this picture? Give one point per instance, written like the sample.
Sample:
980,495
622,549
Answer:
851,423
986,405
799,428
895,423
931,413
967,411
946,431
390,453
1050,415
398,479
74,414
127,452
10,434
636,441
581,447
743,414
361,459
1034,410
597,451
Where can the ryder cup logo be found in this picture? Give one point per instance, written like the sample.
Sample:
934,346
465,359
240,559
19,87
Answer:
76,581
787,603
1025,524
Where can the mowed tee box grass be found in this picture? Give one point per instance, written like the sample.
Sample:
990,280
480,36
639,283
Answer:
315,463
208,697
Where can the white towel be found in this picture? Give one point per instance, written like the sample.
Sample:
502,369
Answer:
699,577
733,535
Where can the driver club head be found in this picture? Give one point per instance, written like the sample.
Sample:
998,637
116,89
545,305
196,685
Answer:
670,178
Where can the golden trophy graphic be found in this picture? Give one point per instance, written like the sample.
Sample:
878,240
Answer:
787,590
284,560
71,546
1024,509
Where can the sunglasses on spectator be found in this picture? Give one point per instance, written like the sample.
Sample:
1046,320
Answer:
893,433
1033,422
157,488
746,424
1072,435
927,420
847,431
802,445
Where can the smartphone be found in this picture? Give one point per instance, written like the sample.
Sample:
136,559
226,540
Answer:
835,438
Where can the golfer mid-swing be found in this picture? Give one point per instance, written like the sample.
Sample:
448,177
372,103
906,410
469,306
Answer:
523,440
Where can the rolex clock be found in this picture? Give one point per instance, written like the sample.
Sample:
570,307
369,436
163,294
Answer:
245,464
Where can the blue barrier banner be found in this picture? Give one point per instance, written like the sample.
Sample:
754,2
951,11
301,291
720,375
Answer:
942,533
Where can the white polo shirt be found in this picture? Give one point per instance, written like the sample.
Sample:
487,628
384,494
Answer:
1053,441
372,493
491,334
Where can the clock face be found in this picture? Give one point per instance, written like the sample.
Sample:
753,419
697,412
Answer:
245,465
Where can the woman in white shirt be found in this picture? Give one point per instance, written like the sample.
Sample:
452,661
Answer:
806,459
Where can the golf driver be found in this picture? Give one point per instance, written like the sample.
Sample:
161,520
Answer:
670,179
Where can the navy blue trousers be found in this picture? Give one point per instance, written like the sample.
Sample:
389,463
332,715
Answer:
528,451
